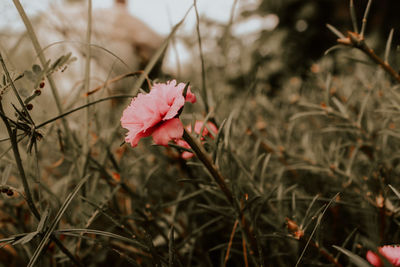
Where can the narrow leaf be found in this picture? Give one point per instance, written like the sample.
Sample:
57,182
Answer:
355,259
53,225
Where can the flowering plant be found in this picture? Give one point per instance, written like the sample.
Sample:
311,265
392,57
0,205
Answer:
208,130
391,253
156,114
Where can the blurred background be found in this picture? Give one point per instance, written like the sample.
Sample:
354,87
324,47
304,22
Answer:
282,37
297,126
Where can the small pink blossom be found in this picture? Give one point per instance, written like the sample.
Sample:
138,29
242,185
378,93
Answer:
156,114
391,253
197,128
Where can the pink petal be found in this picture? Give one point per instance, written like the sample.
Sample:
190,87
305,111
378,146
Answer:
182,143
171,96
133,138
187,155
167,131
141,113
152,112
190,97
392,253
177,104
373,259
199,124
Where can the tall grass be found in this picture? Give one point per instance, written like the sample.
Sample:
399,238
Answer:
308,177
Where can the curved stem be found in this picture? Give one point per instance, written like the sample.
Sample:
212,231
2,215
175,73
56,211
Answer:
18,161
28,196
206,160
82,107
220,180
357,40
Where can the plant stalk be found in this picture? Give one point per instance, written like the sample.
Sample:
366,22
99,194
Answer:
220,180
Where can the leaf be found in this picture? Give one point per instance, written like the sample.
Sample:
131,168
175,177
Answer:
184,198
54,223
6,174
43,220
171,247
355,259
157,55
28,237
335,31
30,75
335,47
36,69
102,233
307,114
319,219
395,191
57,62
388,44
353,16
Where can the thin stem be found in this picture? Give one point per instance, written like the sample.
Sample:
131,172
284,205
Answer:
388,44
157,55
364,20
118,78
3,64
220,180
357,41
42,59
82,107
66,251
18,161
87,76
28,196
206,160
230,242
203,69
353,16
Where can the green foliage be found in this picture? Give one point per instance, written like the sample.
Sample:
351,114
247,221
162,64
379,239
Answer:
305,176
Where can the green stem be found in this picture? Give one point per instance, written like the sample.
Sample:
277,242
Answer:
358,41
87,76
28,195
82,107
203,156
3,64
206,160
42,59
203,68
18,161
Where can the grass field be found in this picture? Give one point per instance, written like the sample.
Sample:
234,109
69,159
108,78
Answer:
255,172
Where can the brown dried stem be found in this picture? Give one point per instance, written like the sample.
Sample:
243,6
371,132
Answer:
357,41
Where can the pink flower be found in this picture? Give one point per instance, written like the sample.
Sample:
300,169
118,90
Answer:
391,253
156,114
197,128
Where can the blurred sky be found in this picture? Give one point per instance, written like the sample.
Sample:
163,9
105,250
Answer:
161,15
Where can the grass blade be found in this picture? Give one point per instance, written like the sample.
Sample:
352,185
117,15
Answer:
357,260
54,223
171,247
157,55
388,45
364,21
102,233
315,228
353,16
336,31
395,191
